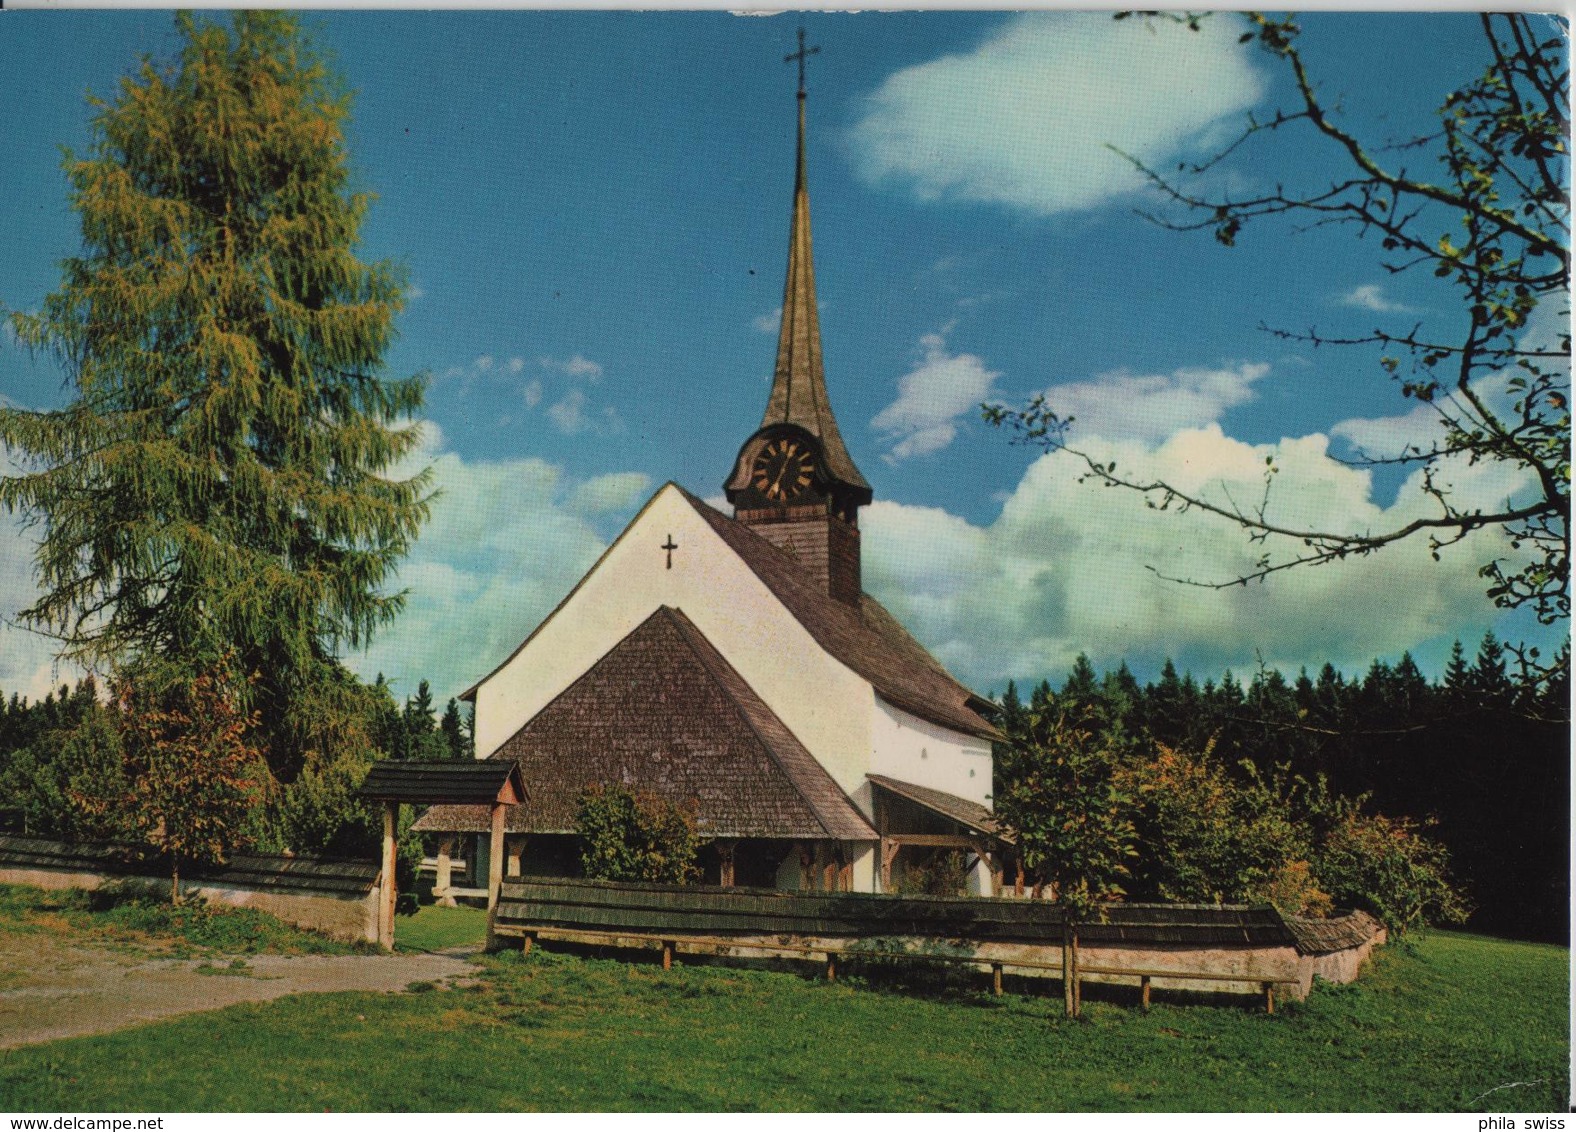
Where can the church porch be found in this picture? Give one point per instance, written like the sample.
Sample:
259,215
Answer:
935,843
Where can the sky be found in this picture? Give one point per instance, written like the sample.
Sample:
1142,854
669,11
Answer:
593,211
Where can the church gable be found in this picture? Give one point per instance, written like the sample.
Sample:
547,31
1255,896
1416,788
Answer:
664,713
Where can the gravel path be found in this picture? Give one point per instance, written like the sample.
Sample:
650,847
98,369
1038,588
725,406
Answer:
59,991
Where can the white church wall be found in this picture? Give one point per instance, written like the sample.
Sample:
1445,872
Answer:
914,750
823,702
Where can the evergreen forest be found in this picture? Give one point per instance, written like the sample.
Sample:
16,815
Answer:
1476,762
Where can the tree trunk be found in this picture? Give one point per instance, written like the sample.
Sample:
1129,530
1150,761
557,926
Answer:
175,879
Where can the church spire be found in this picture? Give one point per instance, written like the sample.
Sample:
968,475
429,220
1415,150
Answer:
793,481
798,395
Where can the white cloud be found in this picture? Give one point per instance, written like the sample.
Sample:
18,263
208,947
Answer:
768,323
1152,406
27,660
516,365
577,366
569,415
1371,297
931,398
484,363
532,393
506,541
1064,568
1388,437
568,412
1027,118
617,492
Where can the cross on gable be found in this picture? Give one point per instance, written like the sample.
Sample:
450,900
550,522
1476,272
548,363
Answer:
670,546
800,56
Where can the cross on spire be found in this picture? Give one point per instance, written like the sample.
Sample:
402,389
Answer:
800,56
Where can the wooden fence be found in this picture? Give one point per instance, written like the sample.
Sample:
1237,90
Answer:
1236,948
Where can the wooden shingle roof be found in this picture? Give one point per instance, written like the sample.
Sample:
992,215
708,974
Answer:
662,712
949,806
427,783
263,871
868,639
1339,932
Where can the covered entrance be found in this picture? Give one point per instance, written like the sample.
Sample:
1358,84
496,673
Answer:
493,784
920,826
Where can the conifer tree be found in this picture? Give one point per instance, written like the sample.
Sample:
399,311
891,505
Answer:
452,727
221,482
1457,676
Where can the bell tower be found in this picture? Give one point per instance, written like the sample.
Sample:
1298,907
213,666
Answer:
793,481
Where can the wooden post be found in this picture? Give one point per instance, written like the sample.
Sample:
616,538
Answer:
526,941
1143,982
445,878
494,873
667,955
1269,998
827,855
831,967
889,850
495,857
390,891
1070,988
725,863
995,978
806,865
514,850
1017,885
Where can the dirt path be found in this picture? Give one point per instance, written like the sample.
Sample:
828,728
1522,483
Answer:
60,991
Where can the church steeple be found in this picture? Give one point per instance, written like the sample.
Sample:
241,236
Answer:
798,393
793,480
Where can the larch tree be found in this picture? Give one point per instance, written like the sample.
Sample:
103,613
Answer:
1481,201
221,482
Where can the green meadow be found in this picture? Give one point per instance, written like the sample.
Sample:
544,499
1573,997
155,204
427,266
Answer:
1445,1022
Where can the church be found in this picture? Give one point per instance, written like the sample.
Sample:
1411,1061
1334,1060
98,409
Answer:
733,664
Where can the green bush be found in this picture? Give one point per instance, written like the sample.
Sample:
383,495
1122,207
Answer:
1387,866
940,874
639,837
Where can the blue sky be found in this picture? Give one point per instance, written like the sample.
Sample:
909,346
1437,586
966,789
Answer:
593,210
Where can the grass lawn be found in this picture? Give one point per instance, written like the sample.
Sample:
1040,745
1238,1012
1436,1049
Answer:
146,925
433,928
1437,1025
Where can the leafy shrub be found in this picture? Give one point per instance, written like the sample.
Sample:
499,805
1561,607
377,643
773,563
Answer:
1206,837
639,837
940,874
1389,867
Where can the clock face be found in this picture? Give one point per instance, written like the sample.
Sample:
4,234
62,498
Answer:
783,470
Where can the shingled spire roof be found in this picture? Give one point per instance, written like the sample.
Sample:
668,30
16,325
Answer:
798,394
